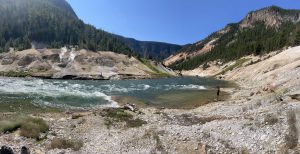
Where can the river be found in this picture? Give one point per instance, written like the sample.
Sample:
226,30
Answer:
183,92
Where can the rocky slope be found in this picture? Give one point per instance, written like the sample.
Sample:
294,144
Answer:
260,32
70,64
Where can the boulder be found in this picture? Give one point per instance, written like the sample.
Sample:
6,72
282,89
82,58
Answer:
25,150
7,60
295,96
53,58
27,60
130,107
6,150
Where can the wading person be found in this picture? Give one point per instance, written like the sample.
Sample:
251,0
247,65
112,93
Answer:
218,92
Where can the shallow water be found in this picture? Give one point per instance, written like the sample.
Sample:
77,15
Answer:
172,92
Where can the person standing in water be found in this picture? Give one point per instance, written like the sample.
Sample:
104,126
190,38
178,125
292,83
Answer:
218,92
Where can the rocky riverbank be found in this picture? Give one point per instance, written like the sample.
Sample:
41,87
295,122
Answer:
262,116
70,64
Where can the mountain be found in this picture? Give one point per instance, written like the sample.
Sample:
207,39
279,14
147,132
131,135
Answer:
150,49
268,29
52,24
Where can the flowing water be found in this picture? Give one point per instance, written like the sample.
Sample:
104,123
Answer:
172,92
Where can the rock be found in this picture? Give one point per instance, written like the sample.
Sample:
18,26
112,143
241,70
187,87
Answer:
8,60
53,57
79,115
252,93
295,96
263,137
25,150
203,149
28,59
84,64
6,150
130,107
269,88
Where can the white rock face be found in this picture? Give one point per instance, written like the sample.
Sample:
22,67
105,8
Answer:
71,64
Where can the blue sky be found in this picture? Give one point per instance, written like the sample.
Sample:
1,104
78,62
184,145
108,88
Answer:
172,21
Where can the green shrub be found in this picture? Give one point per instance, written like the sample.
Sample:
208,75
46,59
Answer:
131,123
119,115
29,127
9,126
237,64
33,127
59,143
15,74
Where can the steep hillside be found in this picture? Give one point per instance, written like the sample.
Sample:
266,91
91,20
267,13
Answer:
52,24
150,49
260,32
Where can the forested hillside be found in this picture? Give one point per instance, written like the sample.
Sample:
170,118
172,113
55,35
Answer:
262,31
149,49
53,23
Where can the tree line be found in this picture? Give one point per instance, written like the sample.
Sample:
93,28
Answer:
49,22
236,43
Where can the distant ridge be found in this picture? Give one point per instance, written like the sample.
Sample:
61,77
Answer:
268,29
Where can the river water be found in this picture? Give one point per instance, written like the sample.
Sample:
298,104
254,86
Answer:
183,92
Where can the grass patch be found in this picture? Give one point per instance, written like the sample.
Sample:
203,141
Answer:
15,74
237,64
292,136
158,145
157,73
270,119
155,136
9,126
131,123
113,116
58,143
29,127
189,120
24,107
149,65
33,127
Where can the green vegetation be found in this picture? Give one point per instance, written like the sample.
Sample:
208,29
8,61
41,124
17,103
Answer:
155,136
237,42
113,116
270,119
23,107
151,50
29,127
237,64
52,23
149,65
58,143
33,127
15,74
131,123
291,137
157,73
9,126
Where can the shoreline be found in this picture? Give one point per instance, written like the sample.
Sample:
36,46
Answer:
262,116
